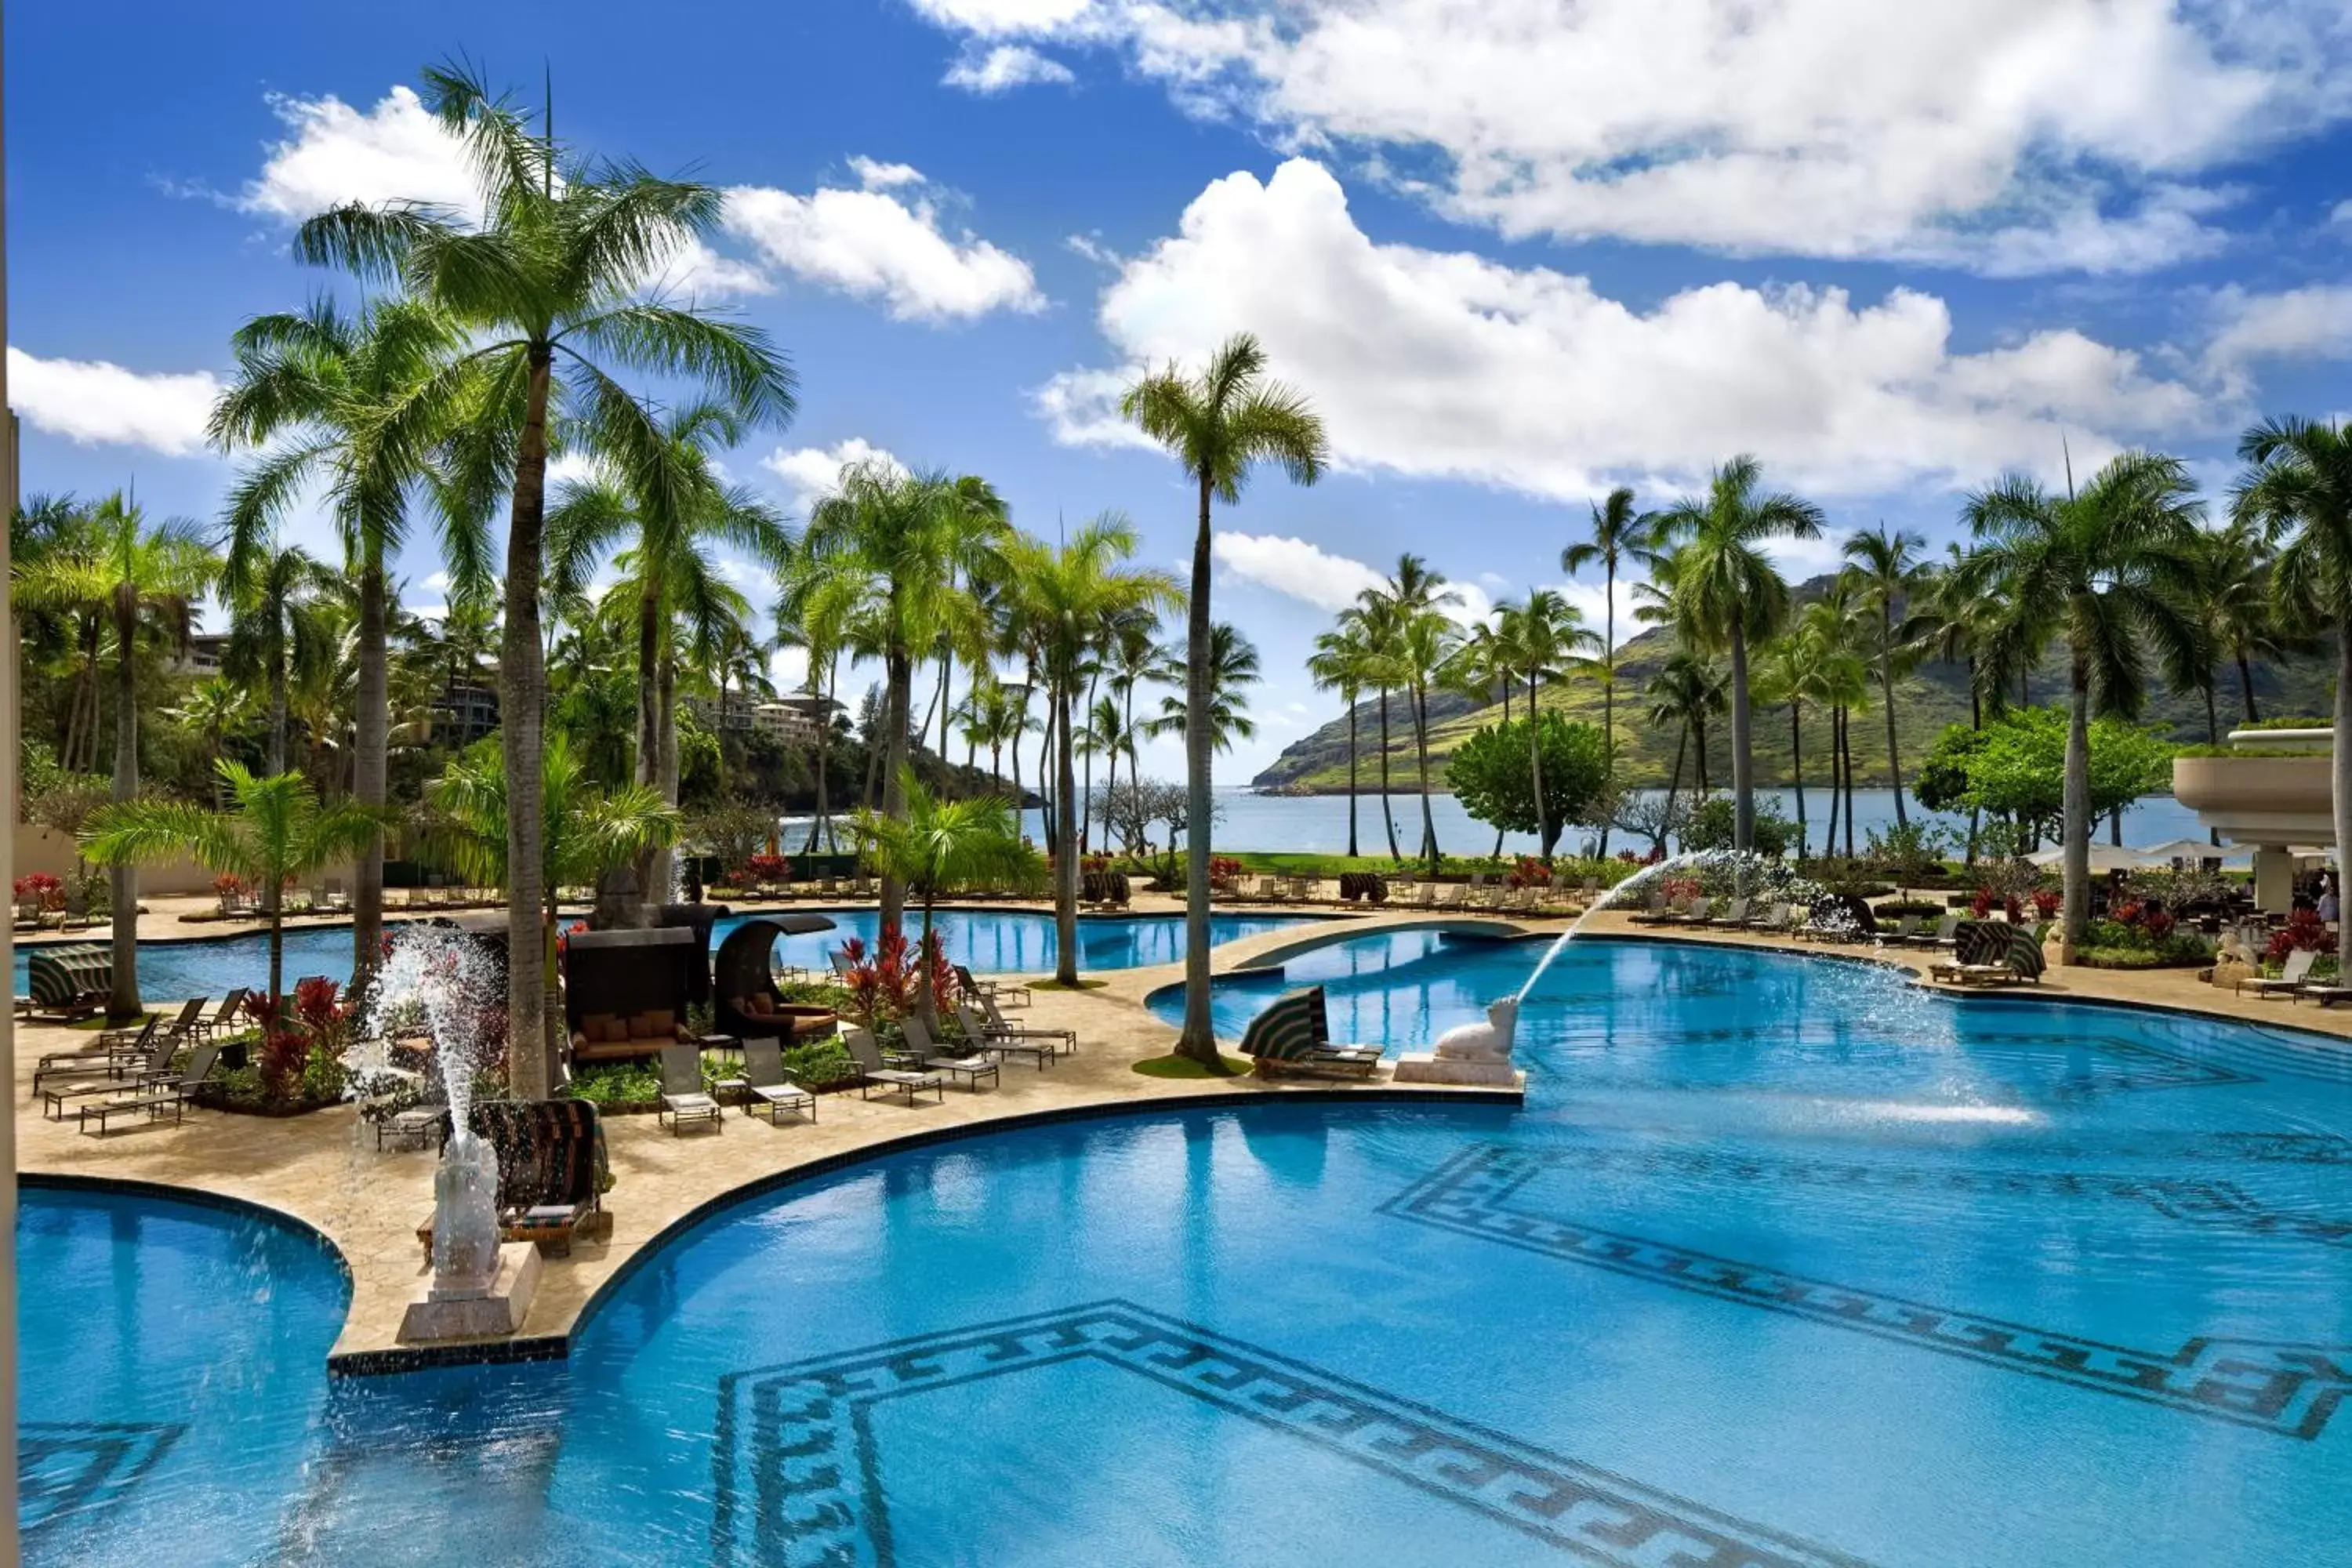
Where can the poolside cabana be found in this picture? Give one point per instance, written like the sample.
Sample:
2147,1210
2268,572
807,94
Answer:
625,992
748,1002
70,982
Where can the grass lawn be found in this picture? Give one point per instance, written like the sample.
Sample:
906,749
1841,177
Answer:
1050,984
1173,1065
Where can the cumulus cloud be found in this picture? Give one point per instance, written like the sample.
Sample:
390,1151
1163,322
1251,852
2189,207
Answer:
1313,575
93,402
1968,132
2299,323
335,153
876,244
1447,364
808,472
1002,68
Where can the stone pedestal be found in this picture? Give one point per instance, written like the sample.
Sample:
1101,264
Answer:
467,1316
2227,972
1422,1067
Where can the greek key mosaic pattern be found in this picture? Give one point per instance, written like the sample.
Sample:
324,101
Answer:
2289,1389
796,1482
66,1470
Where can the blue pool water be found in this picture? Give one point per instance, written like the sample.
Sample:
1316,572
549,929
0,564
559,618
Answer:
1783,1263
990,940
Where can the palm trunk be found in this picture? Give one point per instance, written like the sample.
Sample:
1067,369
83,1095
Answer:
898,669
1066,846
1743,762
522,698
947,715
1796,770
1674,779
665,876
1420,698
1698,736
1976,722
1198,1041
927,1000
2246,689
123,1004
276,758
1845,742
2341,768
277,954
1388,816
2077,797
1350,698
1535,771
1020,803
1608,698
1886,692
371,747
2212,713
817,823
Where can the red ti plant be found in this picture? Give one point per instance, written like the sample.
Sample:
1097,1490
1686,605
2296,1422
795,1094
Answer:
2045,904
2304,931
1528,871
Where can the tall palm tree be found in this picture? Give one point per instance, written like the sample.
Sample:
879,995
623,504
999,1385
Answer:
1620,537
1731,590
553,277
1338,664
1220,424
1893,578
2112,561
1414,599
276,633
1068,596
1232,666
138,579
1960,631
663,506
1683,691
1374,623
359,406
2238,613
1789,672
1539,638
214,708
1839,626
941,846
278,832
2297,488
876,571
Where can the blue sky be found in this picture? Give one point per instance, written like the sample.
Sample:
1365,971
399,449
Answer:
1517,251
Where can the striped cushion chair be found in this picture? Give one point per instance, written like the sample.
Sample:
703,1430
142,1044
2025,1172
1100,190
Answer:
1294,1035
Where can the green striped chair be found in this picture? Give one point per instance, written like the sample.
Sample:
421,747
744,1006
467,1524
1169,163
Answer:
70,982
1294,1035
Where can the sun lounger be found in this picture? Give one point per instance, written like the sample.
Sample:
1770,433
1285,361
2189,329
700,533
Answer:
1992,952
153,1097
1293,1036
550,1162
1942,936
2292,977
184,1029
224,1016
1004,993
867,1052
1067,1039
765,1084
930,1057
1654,912
683,1097
1042,1047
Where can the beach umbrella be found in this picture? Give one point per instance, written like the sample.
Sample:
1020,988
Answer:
2105,857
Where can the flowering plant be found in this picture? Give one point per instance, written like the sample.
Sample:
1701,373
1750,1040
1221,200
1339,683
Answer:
767,868
2045,904
885,980
2304,931
1529,872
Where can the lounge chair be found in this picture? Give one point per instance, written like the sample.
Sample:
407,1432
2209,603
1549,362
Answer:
1654,910
683,1097
2292,977
152,1096
1942,936
766,1086
998,1024
184,1029
873,1074
1004,993
1733,914
1294,1035
841,965
551,1163
129,1040
1992,952
77,1074
930,1057
1040,1045
222,1017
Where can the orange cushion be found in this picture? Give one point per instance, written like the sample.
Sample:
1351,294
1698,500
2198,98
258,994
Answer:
613,1031
758,1006
660,1021
593,1025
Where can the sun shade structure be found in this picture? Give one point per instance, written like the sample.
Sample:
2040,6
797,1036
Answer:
625,992
748,1003
69,980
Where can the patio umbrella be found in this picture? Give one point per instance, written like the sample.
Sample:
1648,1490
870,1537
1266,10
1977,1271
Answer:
2193,849
2105,857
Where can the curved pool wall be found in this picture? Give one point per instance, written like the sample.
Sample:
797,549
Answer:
1786,1262
1006,941
170,1371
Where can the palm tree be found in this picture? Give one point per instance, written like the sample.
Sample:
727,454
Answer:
466,813
2236,611
1374,623
1888,570
1338,664
1839,626
1539,637
554,275
1789,671
358,408
1619,537
1067,596
941,846
663,505
137,578
276,635
1413,602
1732,592
876,570
1960,631
1232,664
2110,561
1685,689
214,708
279,832
1219,425
2297,489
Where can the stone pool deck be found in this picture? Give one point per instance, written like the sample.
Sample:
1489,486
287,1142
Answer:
324,1170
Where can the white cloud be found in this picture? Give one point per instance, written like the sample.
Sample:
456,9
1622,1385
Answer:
1975,131
437,582
394,151
573,468
1305,572
1441,364
809,472
1004,67
2300,324
875,245
699,272
89,402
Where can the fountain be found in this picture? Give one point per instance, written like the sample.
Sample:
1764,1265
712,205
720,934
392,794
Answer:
1481,1053
480,1286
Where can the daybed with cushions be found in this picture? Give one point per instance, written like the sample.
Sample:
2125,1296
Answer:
760,1013
607,1038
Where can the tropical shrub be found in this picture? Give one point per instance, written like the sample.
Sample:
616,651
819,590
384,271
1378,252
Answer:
2304,931
819,1062
885,979
1712,826
767,868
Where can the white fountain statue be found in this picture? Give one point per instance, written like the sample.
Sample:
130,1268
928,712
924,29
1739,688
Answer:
480,1285
1470,1053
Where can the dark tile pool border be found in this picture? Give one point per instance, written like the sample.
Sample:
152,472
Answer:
558,1347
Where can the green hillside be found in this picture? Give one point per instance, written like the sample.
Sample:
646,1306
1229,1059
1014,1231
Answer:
1924,701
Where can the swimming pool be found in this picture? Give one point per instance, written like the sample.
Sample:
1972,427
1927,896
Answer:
1014,941
1785,1262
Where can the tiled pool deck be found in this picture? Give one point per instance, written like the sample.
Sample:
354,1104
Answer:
325,1169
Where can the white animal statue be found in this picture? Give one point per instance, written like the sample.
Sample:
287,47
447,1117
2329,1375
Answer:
1487,1042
